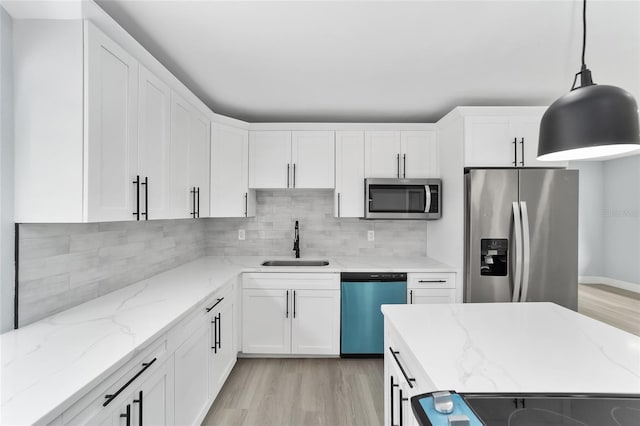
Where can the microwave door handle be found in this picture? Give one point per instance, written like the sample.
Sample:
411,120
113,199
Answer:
427,199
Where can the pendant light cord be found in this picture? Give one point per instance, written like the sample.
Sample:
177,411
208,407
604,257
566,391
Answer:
585,73
584,31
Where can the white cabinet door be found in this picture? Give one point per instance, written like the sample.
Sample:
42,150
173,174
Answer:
199,145
154,144
181,196
349,193
191,376
313,159
111,80
315,321
419,296
153,402
266,323
528,134
223,356
270,159
419,154
489,141
382,154
230,194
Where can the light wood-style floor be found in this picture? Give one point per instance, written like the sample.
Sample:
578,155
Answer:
320,391
620,308
296,392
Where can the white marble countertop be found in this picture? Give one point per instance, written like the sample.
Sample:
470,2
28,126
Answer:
517,347
46,366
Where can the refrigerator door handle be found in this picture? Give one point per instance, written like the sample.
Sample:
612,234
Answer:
517,276
427,198
526,250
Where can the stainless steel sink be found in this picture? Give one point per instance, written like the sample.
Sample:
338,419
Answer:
295,263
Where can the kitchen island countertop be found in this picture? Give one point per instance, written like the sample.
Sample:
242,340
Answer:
515,347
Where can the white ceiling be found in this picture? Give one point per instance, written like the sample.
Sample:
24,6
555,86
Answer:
382,61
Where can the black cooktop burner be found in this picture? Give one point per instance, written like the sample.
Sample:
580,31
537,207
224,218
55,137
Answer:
549,409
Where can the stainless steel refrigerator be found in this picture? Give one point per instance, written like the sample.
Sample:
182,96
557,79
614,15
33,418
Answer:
521,231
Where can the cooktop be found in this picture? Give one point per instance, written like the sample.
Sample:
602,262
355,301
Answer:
526,409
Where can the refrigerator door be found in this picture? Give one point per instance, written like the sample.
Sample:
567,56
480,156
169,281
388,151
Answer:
549,200
490,252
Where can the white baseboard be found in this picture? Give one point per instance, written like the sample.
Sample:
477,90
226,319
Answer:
611,282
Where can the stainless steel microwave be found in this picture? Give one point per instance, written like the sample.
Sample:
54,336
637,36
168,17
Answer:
402,198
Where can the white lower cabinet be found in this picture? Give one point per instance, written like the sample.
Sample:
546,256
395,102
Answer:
430,287
291,313
149,403
222,352
192,364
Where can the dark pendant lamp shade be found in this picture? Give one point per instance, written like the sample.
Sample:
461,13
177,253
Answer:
589,122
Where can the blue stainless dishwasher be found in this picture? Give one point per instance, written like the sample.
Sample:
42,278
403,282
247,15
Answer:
362,323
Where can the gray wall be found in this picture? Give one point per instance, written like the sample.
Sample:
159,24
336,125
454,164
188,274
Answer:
622,219
270,233
63,265
590,218
6,173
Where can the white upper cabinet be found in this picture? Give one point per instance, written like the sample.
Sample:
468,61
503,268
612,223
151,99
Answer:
230,193
507,137
401,154
270,159
382,154
154,149
98,136
199,153
190,135
111,119
284,159
349,193
313,158
419,154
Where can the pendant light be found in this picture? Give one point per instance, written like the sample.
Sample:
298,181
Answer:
591,121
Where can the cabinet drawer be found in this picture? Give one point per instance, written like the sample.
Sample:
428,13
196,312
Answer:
432,280
119,382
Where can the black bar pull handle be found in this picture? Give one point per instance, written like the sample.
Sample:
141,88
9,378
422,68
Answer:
198,203
294,175
139,401
146,198
215,334
288,173
404,166
411,297
294,303
246,205
219,334
398,160
286,315
127,415
338,204
404,373
215,304
137,184
522,152
515,152
113,396
432,281
391,400
193,201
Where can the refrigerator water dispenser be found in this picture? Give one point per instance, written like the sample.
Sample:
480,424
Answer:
494,255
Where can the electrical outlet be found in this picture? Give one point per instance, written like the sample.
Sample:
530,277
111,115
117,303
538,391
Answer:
241,234
371,235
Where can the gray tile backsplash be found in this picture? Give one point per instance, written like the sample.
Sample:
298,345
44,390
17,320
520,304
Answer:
270,233
63,265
